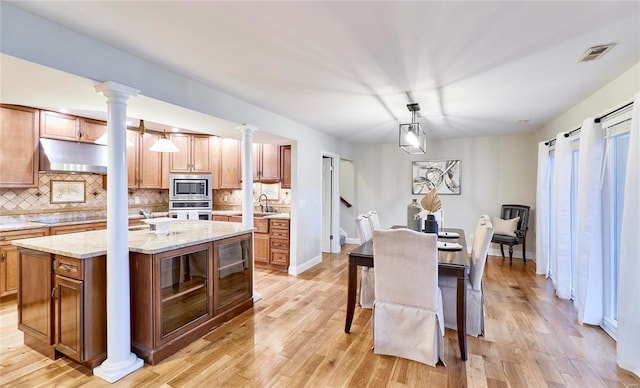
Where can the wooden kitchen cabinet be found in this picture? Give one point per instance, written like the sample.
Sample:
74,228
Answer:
19,156
194,156
279,248
54,125
62,305
9,258
91,130
60,126
144,167
230,167
266,163
80,306
260,238
64,229
285,166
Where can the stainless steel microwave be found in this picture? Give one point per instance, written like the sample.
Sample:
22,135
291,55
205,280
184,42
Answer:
189,187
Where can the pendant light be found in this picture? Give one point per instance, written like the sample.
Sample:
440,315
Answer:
412,137
164,145
104,139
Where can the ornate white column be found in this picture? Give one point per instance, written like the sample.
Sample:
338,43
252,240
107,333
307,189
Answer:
247,184
120,360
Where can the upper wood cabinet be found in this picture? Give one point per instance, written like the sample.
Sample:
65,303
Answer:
230,167
194,155
19,154
285,166
61,126
91,130
266,163
144,167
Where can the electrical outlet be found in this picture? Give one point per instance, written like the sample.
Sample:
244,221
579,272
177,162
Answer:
136,199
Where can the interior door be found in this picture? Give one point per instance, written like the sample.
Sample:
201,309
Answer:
327,221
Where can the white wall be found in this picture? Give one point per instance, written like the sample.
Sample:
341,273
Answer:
494,171
620,90
34,39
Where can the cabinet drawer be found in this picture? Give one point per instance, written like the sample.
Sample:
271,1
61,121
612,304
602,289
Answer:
280,234
281,224
280,244
69,266
220,218
279,257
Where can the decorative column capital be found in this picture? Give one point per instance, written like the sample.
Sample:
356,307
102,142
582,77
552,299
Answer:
248,129
114,90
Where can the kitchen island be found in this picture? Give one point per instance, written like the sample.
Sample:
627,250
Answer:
183,284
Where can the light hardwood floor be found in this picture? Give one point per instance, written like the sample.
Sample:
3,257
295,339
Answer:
295,337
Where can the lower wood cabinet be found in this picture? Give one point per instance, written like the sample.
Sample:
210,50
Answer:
178,296
64,229
279,248
9,258
62,305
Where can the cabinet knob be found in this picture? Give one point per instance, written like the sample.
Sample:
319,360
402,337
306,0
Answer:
4,256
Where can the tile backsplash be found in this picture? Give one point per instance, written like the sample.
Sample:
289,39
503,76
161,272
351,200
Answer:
36,201
279,198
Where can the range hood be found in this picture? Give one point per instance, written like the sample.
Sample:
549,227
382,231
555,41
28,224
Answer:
71,156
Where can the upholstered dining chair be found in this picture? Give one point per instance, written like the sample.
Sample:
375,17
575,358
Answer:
367,276
407,312
475,296
511,229
374,221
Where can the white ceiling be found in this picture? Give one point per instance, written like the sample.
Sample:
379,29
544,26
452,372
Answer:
350,68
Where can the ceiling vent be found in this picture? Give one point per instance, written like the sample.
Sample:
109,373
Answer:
595,52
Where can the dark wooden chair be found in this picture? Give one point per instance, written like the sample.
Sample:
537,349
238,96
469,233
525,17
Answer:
509,212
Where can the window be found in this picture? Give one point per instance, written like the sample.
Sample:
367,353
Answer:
612,210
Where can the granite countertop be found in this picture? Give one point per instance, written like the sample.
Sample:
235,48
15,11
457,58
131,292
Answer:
283,216
181,234
25,225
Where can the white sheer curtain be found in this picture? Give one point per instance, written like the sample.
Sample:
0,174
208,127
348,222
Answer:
542,210
589,256
561,218
628,331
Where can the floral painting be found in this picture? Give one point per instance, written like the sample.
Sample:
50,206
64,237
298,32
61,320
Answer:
67,191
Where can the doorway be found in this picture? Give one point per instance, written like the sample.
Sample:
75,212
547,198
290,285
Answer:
330,216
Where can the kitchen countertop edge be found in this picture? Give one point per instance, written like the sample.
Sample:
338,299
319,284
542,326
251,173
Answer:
85,245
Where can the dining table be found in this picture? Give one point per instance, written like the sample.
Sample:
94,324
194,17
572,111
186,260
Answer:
451,262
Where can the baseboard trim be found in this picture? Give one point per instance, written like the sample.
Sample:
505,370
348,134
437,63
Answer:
296,270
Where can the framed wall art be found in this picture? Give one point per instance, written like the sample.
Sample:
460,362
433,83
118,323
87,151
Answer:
442,175
67,191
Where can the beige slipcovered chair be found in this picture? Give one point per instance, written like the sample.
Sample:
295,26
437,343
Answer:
475,297
366,275
407,312
374,221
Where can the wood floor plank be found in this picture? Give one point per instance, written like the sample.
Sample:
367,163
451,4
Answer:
294,337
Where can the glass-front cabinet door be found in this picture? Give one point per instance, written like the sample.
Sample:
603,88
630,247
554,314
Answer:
233,261
184,290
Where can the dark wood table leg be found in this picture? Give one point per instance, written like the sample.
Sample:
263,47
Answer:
461,312
351,294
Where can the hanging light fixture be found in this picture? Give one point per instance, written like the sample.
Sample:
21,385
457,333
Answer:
412,138
164,145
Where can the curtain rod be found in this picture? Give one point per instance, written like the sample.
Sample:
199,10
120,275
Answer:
597,120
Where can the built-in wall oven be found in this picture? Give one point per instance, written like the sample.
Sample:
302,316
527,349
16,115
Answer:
190,194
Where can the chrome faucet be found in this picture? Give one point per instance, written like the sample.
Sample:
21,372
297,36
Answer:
264,208
146,214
